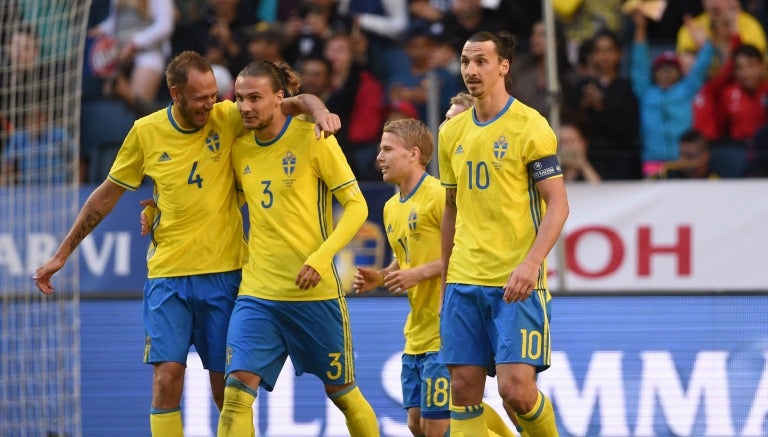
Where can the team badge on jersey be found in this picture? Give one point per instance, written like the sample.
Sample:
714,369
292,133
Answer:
213,144
500,147
413,219
389,228
289,163
289,166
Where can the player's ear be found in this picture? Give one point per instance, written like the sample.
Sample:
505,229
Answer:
174,92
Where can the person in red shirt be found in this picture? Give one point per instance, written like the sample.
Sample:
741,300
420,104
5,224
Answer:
743,102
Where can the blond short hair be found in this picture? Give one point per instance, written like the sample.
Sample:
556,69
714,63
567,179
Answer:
413,133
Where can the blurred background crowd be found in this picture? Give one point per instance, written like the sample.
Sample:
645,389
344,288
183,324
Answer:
648,89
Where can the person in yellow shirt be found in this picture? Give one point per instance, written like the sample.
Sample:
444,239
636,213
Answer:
197,244
412,221
505,207
720,19
291,302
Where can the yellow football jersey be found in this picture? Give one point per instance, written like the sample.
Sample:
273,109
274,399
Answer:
494,167
198,227
288,184
412,224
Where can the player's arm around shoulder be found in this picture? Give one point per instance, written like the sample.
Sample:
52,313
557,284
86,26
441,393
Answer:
326,122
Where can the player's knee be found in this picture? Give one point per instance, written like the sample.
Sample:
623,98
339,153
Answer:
414,421
520,395
169,375
435,428
168,380
414,427
467,385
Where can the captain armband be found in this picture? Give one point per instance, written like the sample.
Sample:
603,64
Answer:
544,168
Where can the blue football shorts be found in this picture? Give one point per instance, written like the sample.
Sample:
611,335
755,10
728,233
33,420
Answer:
315,334
477,327
186,310
426,384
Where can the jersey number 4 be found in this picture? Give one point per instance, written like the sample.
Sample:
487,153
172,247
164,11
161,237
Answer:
195,178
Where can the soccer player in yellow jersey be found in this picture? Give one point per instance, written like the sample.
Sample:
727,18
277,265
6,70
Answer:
291,302
505,207
412,221
197,247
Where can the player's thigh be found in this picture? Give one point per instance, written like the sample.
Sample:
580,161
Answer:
214,298
410,379
463,331
319,340
255,340
167,319
521,331
435,388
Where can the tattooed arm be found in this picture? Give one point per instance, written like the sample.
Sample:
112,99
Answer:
98,205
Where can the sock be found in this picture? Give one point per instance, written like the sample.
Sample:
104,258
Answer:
236,418
520,429
540,421
361,420
495,423
166,423
468,421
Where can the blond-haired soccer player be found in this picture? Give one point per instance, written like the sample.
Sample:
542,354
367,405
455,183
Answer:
197,247
459,103
291,302
505,207
412,221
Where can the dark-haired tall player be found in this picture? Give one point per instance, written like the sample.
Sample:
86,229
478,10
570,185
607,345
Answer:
505,207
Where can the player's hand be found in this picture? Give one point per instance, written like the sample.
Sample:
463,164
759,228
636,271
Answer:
43,275
400,281
366,279
521,282
307,278
147,215
326,123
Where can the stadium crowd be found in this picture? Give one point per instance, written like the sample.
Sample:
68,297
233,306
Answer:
628,77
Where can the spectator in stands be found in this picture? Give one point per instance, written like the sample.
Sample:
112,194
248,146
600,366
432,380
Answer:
608,108
428,11
265,42
412,85
359,100
39,151
706,111
693,161
315,74
307,30
143,30
220,35
467,17
383,22
582,19
33,145
573,146
715,20
19,55
665,94
743,102
529,70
